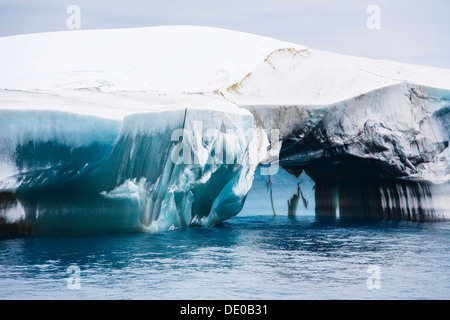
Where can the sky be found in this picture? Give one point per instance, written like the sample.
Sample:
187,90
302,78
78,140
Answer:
412,31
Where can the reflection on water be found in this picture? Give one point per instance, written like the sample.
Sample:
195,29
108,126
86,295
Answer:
259,257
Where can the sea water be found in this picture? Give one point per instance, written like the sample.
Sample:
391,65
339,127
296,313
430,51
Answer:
251,257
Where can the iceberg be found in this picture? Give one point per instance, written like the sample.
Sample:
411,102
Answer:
152,129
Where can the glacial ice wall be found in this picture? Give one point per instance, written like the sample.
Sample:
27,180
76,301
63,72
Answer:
164,170
383,154
194,170
33,141
391,124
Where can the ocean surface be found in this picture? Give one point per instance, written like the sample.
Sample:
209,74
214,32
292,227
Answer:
250,257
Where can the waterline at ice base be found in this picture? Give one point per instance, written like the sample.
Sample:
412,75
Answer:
154,129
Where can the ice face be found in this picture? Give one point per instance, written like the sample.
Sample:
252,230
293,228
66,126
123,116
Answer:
380,155
189,182
33,141
392,125
174,169
177,169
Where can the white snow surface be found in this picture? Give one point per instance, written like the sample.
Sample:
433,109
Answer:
289,76
184,66
161,59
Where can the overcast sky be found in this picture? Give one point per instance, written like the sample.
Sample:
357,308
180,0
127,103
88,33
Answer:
414,31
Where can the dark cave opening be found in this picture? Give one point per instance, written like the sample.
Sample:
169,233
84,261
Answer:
352,187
